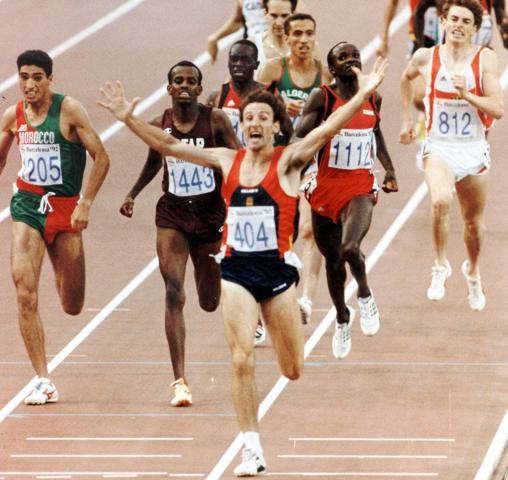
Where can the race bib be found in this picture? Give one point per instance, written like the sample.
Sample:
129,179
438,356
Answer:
41,164
234,117
352,149
454,119
252,229
188,179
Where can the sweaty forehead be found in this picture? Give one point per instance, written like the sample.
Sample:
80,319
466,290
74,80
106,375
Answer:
345,47
185,71
32,69
242,50
279,6
301,25
257,108
460,11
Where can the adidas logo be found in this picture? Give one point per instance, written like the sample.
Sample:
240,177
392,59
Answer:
231,103
368,112
22,128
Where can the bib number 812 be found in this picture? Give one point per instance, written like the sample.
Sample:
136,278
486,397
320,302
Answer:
455,125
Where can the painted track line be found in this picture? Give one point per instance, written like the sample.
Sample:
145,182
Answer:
367,52
134,283
80,36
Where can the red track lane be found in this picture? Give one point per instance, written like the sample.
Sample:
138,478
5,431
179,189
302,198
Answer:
426,394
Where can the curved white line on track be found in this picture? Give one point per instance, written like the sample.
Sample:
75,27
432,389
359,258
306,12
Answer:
79,37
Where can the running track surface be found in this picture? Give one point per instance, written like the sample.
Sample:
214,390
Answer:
422,399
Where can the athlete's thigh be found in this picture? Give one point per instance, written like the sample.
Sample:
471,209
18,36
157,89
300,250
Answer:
472,195
173,252
283,320
68,259
27,253
356,219
205,266
327,234
439,177
240,313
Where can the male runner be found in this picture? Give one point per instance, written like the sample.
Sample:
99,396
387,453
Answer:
261,185
295,77
242,63
463,94
190,214
346,189
54,133
429,32
248,14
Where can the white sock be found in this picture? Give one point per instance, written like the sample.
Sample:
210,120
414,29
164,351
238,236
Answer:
252,442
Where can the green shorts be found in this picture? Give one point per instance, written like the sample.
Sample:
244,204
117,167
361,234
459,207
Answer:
26,208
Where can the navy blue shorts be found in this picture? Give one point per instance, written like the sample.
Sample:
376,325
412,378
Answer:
264,278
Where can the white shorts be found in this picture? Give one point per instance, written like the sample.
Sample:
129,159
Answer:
464,159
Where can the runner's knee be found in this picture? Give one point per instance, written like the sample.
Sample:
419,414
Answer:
73,307
209,303
27,300
243,363
175,295
473,227
441,204
293,371
351,252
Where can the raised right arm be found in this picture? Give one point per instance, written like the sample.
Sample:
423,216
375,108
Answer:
231,25
154,137
390,10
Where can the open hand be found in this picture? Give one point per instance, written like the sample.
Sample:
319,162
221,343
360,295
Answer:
116,102
368,83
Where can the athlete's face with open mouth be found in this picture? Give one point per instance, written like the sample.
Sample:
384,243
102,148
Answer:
258,125
184,87
459,24
34,83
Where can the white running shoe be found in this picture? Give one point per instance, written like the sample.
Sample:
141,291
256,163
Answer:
369,315
251,465
341,342
182,396
476,297
440,273
305,304
43,392
260,335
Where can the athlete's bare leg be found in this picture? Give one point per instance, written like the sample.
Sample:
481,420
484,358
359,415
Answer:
328,237
472,196
282,318
27,254
173,253
441,182
311,256
207,274
68,259
240,313
356,219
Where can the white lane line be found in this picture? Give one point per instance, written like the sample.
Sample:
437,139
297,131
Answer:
370,439
495,451
46,477
88,474
80,36
354,474
136,281
370,457
110,439
186,475
90,455
281,383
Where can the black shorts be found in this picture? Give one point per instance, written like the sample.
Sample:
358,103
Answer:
202,221
264,278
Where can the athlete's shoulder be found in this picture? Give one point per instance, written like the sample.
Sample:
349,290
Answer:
423,55
72,108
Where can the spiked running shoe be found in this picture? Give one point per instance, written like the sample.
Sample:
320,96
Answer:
43,392
475,296
369,315
440,273
341,342
182,396
251,465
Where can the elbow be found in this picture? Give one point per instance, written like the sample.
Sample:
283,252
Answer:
498,114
